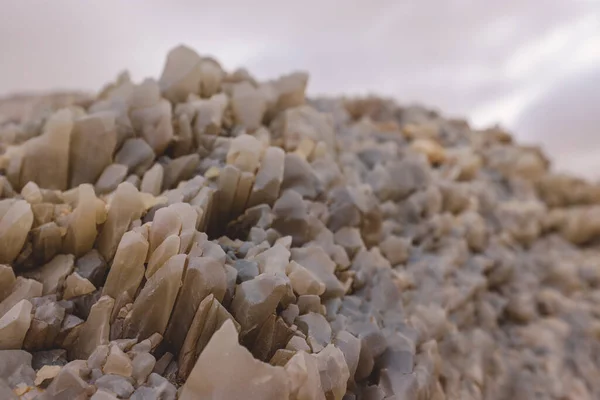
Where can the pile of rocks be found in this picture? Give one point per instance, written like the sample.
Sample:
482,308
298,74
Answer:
211,236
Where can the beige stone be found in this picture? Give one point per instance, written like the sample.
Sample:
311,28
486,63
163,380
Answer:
124,207
167,249
81,231
7,281
14,227
435,153
333,371
290,90
46,324
47,241
189,220
315,260
22,289
69,331
271,339
209,115
466,162
97,359
68,383
46,158
166,222
211,77
181,74
42,213
117,362
303,281
95,330
209,317
52,275
127,270
254,379
281,357
184,138
14,325
242,194
245,153
31,193
136,154
204,276
305,148
5,205
152,180
203,202
395,249
75,286
268,178
304,122
274,260
92,144
303,373
46,373
146,94
110,178
248,105
153,120
351,346
227,184
152,307
263,135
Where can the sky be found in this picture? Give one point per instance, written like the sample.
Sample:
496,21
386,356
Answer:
532,66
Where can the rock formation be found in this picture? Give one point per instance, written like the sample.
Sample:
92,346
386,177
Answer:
209,235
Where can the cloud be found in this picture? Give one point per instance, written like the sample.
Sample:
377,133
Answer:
566,121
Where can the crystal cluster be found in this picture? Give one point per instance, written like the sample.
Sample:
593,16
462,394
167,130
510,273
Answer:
211,236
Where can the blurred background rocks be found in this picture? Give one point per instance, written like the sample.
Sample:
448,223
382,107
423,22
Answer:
531,66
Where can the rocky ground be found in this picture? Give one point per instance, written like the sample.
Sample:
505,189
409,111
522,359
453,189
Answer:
209,236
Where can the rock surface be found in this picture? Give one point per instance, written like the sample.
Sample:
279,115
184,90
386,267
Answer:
209,235
224,353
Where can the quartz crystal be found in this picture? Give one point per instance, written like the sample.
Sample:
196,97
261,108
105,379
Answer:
209,235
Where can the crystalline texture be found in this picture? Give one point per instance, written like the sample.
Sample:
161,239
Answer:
254,379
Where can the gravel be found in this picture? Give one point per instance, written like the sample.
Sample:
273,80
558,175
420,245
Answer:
209,235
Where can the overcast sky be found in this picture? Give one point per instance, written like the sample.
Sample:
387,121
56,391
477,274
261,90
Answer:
532,66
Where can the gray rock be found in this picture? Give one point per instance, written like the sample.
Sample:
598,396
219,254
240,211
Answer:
92,267
299,176
143,364
116,384
45,325
136,154
317,330
69,383
6,392
246,270
83,304
16,368
110,178
156,388
49,357
256,299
